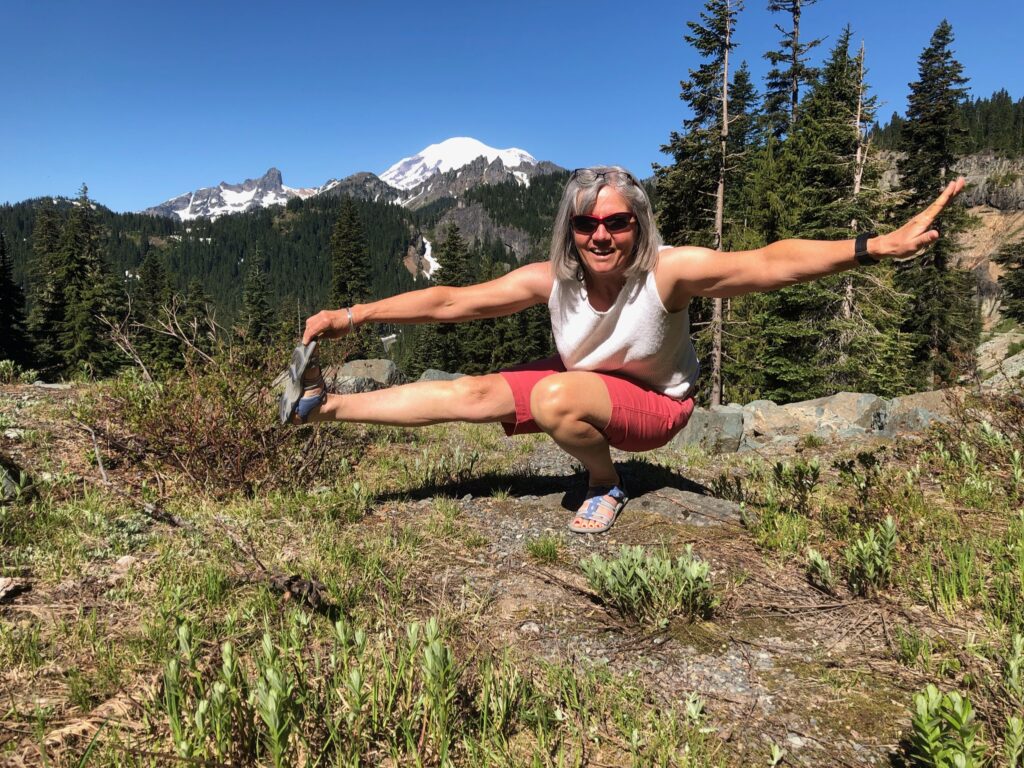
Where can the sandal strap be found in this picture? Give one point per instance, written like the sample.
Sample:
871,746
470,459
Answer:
601,511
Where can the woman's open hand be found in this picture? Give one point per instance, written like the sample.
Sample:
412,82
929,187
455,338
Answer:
327,323
917,233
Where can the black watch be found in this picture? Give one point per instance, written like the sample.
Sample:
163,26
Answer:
860,249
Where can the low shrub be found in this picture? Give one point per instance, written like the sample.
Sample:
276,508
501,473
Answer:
653,588
215,420
869,560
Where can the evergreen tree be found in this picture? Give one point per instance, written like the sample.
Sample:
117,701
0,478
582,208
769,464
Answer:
152,300
14,343
47,293
350,260
944,317
703,162
196,316
840,332
686,189
89,290
257,316
789,69
1011,257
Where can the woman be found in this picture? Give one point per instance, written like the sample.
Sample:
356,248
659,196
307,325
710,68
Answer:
625,370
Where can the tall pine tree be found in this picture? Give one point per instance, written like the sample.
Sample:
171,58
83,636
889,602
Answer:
257,315
840,332
1011,257
47,292
151,302
89,292
691,192
350,270
14,344
944,317
789,70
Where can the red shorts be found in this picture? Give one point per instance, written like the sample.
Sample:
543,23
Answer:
642,419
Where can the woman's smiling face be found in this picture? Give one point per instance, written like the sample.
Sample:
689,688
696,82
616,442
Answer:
604,252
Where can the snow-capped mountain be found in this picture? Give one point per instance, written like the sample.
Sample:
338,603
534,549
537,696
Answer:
447,169
212,202
450,155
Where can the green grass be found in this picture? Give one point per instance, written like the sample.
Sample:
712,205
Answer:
354,683
544,549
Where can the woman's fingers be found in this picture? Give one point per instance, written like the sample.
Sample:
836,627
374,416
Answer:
952,189
324,323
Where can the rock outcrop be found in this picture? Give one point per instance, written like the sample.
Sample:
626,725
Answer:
843,416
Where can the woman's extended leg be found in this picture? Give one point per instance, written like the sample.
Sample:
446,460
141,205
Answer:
477,399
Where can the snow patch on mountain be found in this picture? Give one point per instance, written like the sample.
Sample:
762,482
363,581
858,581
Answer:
431,263
449,155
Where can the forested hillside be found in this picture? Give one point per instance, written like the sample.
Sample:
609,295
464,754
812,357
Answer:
995,122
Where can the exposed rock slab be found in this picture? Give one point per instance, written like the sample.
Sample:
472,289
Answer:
715,430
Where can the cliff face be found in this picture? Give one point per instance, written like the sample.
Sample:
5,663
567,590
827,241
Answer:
997,182
992,180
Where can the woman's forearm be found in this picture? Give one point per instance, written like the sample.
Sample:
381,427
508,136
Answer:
796,261
422,306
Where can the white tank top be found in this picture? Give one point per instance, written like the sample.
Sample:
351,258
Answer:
636,336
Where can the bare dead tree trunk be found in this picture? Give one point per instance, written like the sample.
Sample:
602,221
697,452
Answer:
860,160
794,83
717,312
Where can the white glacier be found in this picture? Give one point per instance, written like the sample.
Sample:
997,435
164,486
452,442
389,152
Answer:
446,156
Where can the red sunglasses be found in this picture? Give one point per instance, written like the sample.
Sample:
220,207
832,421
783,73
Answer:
616,222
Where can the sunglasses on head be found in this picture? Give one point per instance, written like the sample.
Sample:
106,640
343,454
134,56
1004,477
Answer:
616,222
589,176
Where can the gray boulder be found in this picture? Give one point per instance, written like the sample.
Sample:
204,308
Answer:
432,374
382,370
350,385
919,411
842,414
363,376
1009,374
718,430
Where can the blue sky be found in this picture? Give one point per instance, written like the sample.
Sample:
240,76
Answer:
143,100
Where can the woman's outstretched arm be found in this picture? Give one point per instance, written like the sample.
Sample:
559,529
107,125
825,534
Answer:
519,289
704,272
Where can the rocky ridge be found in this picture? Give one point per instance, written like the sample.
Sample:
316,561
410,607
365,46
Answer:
415,182
213,202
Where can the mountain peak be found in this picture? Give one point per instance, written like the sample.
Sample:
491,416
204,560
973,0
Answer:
213,202
448,155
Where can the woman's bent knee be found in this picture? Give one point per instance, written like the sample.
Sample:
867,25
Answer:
573,396
484,398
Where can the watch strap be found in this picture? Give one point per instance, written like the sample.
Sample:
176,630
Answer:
860,249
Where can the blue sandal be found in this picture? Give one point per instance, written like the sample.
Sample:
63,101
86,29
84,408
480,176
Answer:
294,400
598,514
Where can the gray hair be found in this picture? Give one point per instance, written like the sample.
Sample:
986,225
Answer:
580,196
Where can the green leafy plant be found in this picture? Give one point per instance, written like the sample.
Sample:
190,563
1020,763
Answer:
863,474
797,482
869,560
1013,669
956,578
819,572
729,487
1013,742
651,587
945,732
8,371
